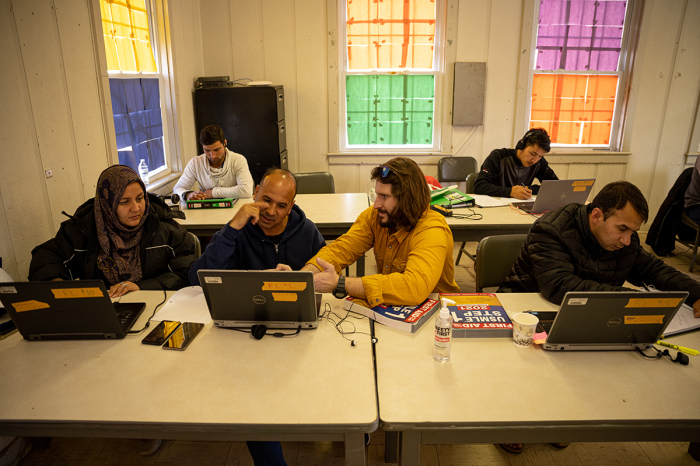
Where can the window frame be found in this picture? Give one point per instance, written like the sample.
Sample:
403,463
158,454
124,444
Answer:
161,46
628,49
438,72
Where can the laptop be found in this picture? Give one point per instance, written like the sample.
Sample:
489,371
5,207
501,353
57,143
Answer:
243,298
67,310
612,320
557,193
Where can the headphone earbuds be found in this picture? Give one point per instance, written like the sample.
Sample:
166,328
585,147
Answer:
258,331
353,343
374,340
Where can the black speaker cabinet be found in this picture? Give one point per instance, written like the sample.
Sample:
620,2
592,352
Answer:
252,119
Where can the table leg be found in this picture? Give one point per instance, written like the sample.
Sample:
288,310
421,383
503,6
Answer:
694,450
391,446
355,449
409,448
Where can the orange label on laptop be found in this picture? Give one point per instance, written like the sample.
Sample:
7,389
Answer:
32,305
583,183
644,319
284,286
291,297
654,302
63,293
580,188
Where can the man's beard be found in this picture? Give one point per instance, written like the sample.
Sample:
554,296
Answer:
389,222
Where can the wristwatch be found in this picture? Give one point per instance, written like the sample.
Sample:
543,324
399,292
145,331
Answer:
340,292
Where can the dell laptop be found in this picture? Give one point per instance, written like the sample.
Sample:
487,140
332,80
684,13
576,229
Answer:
612,320
67,310
557,193
243,298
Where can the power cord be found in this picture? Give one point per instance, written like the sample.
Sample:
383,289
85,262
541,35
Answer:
148,322
338,321
680,357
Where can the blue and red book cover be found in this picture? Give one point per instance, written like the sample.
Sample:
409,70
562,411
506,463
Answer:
478,315
406,318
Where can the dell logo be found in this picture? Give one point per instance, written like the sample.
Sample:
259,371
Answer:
257,299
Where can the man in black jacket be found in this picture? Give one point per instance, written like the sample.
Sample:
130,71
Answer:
510,172
594,247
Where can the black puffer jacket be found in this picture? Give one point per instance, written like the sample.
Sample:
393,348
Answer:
166,250
561,255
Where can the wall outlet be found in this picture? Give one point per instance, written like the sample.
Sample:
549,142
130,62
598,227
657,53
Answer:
49,173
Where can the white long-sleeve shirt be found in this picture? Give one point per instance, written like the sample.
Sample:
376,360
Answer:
233,179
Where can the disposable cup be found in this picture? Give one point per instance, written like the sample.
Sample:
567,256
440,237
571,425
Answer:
524,326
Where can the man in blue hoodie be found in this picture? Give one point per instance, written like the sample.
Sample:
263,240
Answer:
270,233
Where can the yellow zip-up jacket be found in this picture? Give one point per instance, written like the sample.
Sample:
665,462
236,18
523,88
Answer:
411,264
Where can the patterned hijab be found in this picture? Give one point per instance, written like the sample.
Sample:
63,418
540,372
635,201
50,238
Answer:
120,252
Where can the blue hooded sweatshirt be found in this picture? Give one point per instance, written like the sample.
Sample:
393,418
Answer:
249,248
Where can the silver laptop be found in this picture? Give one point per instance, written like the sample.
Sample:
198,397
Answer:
612,320
557,193
67,310
243,298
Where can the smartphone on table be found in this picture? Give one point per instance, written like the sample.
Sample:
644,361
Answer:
183,336
161,333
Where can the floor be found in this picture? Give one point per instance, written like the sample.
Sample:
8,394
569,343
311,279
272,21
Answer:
102,452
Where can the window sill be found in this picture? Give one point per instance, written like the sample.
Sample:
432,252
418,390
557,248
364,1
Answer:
156,186
587,156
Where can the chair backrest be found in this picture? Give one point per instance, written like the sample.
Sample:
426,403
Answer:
315,183
471,179
197,244
455,168
495,256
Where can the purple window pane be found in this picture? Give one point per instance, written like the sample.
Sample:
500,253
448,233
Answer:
580,35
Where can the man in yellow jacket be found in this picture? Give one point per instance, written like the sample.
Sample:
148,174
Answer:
412,244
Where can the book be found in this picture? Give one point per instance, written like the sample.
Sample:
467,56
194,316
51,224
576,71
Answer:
451,197
406,318
211,203
478,315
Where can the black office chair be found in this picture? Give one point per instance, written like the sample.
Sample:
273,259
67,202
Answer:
315,183
690,244
471,180
495,256
197,244
455,169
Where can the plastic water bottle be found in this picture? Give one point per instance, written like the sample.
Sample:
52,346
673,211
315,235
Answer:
143,171
443,333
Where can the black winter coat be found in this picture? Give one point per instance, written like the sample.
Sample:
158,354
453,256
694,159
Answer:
667,223
561,254
166,250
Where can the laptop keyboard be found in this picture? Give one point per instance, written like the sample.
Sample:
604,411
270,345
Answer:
124,316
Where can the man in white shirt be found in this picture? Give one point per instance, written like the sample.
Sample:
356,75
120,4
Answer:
219,172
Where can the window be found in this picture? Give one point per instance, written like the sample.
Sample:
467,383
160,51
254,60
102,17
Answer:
580,71
136,83
390,73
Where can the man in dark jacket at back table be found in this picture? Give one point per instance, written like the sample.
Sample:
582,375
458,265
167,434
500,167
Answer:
510,172
594,247
270,233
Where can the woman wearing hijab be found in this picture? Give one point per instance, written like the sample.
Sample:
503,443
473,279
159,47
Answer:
123,236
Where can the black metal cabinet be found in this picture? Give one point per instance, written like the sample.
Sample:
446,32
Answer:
252,119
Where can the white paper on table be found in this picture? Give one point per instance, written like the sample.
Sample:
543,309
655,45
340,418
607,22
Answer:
487,201
186,305
684,321
512,200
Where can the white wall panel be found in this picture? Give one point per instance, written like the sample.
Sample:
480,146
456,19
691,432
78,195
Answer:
247,39
216,38
81,74
46,80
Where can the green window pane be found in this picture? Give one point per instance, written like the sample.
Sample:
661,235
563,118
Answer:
392,109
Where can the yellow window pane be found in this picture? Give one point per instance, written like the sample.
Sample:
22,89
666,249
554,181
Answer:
145,56
121,21
112,55
394,34
125,50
